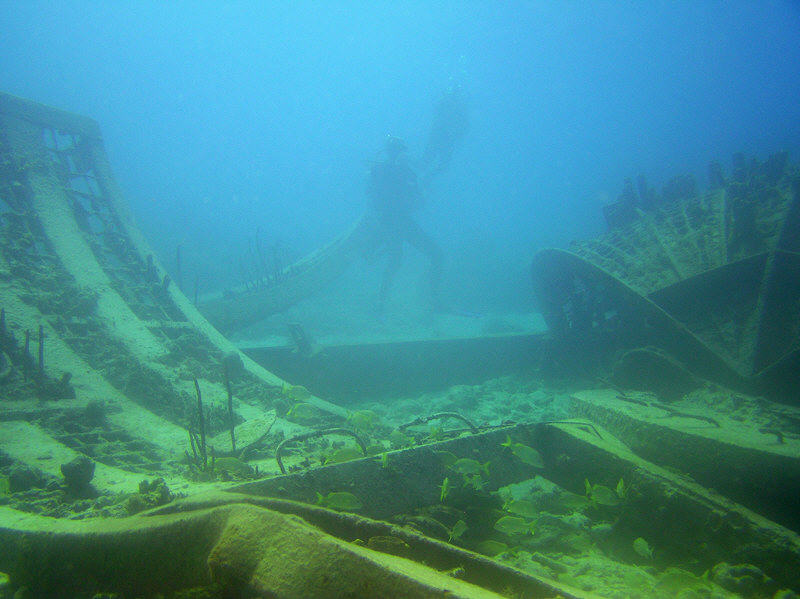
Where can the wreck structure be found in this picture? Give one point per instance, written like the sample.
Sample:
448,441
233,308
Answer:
709,282
117,396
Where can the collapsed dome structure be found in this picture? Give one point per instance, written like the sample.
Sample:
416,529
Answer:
711,280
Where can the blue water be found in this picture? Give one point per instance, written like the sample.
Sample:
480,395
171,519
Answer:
224,118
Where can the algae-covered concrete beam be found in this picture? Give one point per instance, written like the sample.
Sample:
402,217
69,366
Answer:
692,523
728,454
238,548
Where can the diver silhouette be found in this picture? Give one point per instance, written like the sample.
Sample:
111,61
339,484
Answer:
394,195
450,125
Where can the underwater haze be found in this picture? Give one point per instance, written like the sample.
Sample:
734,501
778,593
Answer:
227,119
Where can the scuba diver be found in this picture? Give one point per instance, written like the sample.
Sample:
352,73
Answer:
450,125
394,195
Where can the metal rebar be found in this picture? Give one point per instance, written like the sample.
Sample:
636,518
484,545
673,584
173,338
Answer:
312,435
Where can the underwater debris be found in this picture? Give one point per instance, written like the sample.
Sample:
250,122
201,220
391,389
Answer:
234,468
583,425
671,412
438,416
151,494
78,474
313,435
780,436
708,250
253,433
302,342
296,392
746,580
389,544
344,454
425,525
653,370
339,500
634,400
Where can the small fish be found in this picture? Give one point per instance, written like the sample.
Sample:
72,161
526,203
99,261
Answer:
643,548
604,496
384,460
363,419
304,411
448,458
435,434
376,449
475,481
445,487
344,454
528,455
521,507
339,500
398,439
492,548
524,452
512,525
601,495
621,490
573,501
296,392
459,528
468,466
